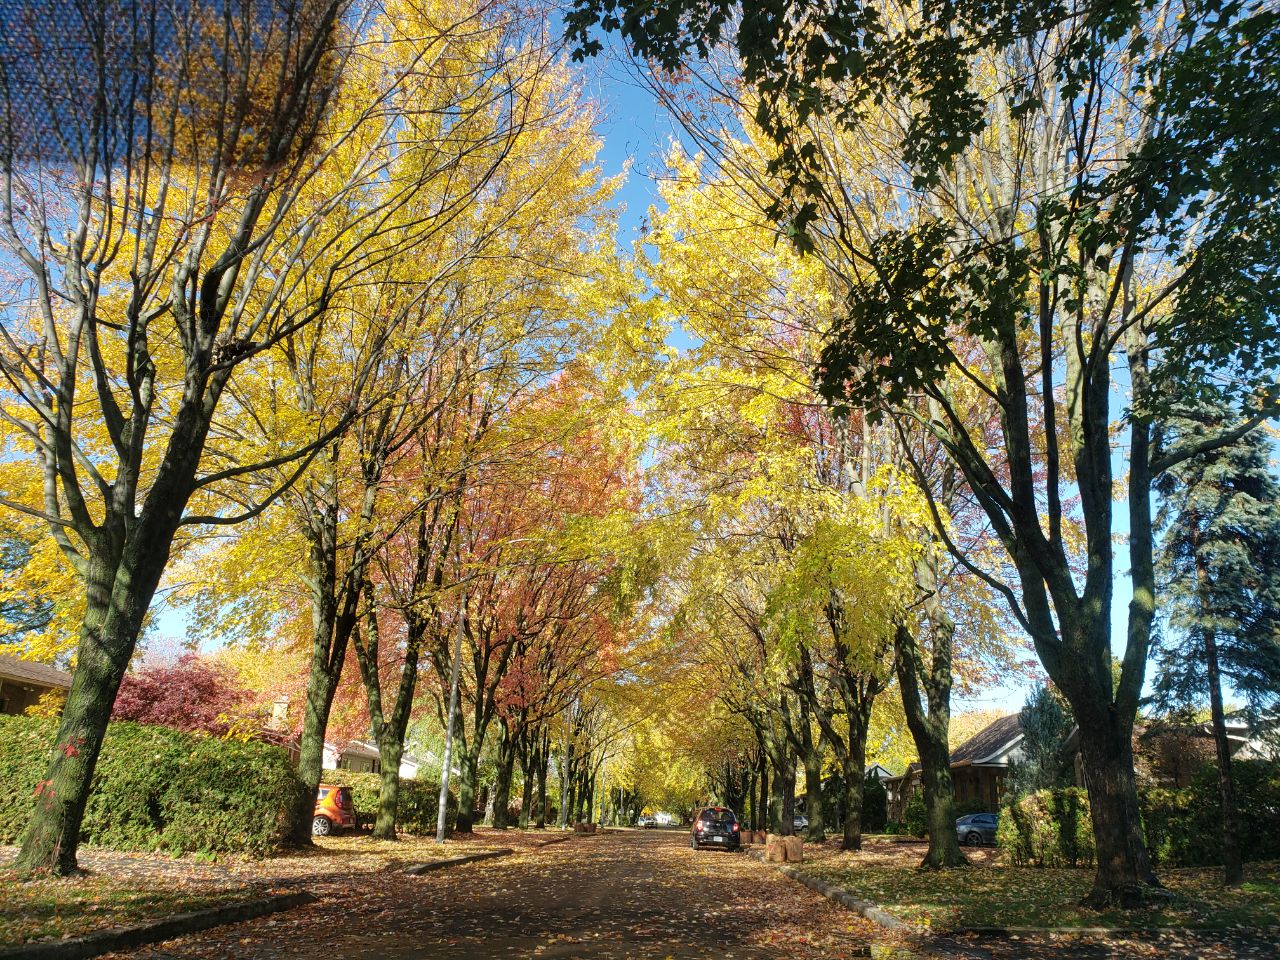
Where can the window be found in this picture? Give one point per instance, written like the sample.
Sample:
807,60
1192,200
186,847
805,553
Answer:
722,815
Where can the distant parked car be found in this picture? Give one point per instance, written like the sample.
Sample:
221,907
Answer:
977,829
716,827
799,822
334,810
647,821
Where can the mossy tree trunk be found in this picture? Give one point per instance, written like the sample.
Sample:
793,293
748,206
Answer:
925,674
468,775
506,772
118,600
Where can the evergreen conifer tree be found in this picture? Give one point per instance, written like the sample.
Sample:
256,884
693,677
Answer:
1046,725
1220,589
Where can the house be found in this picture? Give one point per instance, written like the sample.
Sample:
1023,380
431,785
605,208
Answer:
358,756
23,683
1169,753
881,773
978,768
361,757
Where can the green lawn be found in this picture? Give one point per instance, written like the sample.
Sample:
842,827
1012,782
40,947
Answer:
995,896
49,908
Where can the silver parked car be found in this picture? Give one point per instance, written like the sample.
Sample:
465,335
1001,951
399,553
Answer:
977,829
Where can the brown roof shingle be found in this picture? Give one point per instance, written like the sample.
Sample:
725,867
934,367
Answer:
26,671
982,744
988,740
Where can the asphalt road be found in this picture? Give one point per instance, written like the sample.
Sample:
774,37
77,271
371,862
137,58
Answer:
621,895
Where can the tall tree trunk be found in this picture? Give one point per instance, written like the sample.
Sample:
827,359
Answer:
855,762
390,750
926,701
1232,859
502,784
334,606
1124,876
468,771
526,757
568,787
108,635
782,796
762,803
542,767
587,794
789,800
813,790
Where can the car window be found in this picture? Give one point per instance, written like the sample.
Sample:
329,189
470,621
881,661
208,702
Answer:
987,818
717,816
322,793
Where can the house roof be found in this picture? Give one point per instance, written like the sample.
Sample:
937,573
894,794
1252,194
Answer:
358,748
26,671
369,751
989,742
985,746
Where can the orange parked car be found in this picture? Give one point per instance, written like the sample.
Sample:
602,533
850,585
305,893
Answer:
334,810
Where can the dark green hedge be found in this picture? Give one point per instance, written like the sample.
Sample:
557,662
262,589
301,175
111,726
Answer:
1184,827
159,789
1049,828
915,817
416,810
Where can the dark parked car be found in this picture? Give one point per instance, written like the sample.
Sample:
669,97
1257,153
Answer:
977,829
716,827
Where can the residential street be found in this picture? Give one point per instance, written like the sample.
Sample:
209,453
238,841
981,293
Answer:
631,894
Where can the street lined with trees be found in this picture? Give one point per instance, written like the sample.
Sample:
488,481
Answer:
945,360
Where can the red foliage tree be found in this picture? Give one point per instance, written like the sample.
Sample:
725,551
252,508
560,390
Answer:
190,694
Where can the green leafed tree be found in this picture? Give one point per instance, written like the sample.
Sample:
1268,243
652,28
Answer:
1219,574
1046,726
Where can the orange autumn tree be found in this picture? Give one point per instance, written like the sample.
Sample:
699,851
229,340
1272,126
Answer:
530,566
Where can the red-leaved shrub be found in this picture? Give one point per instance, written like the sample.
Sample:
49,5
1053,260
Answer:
191,694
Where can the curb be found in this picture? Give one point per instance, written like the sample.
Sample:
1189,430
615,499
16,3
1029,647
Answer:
864,907
418,869
547,843
997,932
180,924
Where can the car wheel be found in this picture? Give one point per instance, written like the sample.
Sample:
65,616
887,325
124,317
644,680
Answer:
974,839
321,826
693,843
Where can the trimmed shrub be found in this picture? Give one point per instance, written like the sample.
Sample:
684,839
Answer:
915,817
965,807
416,808
1184,827
1050,828
875,804
1168,822
159,789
